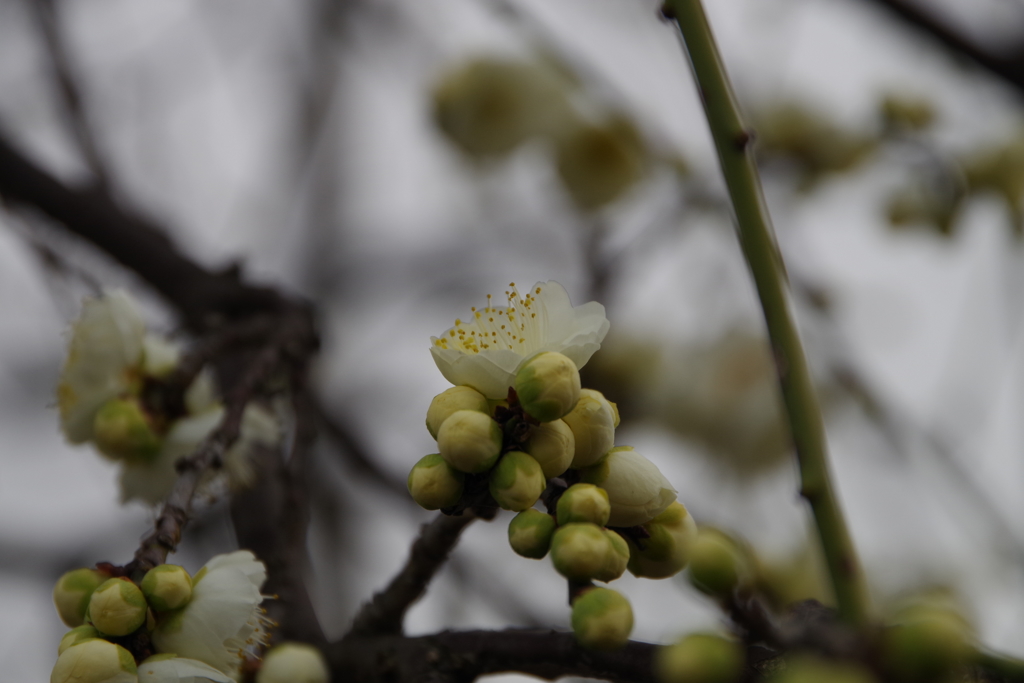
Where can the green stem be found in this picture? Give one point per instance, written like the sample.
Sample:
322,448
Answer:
732,140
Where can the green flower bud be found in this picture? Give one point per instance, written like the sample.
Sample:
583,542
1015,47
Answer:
700,658
927,641
584,503
667,551
117,607
448,401
598,164
167,587
593,422
581,552
552,445
810,669
76,636
95,661
517,481
72,592
716,563
602,619
293,663
469,441
548,386
434,484
617,560
123,431
637,490
529,533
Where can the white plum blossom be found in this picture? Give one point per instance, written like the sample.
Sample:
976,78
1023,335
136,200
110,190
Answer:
223,621
169,668
485,351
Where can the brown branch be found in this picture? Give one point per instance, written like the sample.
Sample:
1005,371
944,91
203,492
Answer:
385,613
464,656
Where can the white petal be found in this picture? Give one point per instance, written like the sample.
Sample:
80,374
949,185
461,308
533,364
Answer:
489,372
159,356
179,670
244,561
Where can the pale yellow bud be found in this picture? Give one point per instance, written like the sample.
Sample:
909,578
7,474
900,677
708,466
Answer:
637,490
95,661
72,592
517,482
927,641
602,619
293,663
593,422
469,441
667,550
552,444
716,563
812,669
123,431
167,587
700,658
598,164
434,484
117,607
584,503
548,386
617,560
581,552
450,400
76,636
529,533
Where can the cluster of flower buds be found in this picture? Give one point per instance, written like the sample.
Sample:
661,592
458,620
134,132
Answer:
169,627
619,511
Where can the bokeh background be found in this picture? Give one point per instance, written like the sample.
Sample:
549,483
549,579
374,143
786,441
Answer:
299,139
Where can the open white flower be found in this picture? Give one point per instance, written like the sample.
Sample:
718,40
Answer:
223,620
173,669
105,356
485,351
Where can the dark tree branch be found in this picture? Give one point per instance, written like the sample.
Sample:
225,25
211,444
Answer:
385,613
452,657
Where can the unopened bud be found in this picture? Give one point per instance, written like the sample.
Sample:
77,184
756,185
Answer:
552,444
117,607
581,552
926,642
617,560
584,503
637,490
602,619
434,484
811,669
123,431
548,386
700,658
593,422
72,592
76,636
95,661
293,663
529,533
716,563
667,549
450,400
598,164
469,441
167,587
517,482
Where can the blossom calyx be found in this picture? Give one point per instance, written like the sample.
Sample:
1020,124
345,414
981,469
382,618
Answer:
293,663
469,441
72,592
117,607
434,484
667,549
602,619
552,444
123,431
517,482
584,503
699,658
548,386
581,552
167,587
593,422
451,400
530,532
637,490
95,661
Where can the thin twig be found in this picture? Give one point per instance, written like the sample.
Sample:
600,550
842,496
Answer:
385,612
732,141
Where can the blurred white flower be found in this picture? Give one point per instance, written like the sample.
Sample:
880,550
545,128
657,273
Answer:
223,621
485,352
105,356
173,669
